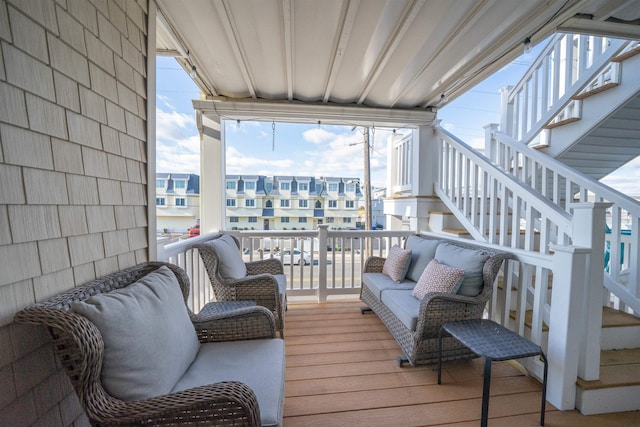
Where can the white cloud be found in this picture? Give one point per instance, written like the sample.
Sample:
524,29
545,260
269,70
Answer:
318,135
177,142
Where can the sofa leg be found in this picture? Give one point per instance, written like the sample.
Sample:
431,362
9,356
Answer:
402,360
363,310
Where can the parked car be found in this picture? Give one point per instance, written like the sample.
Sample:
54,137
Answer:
303,258
194,231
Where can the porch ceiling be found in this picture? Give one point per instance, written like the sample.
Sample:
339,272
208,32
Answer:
382,54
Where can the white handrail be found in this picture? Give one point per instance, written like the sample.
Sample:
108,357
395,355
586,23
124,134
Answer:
566,66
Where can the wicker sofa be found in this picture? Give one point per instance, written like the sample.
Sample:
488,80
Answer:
415,323
136,355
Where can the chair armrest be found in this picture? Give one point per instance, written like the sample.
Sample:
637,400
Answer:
224,403
437,308
264,266
261,288
374,264
239,324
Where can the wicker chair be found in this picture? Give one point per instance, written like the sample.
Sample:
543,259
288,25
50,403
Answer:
265,282
420,346
80,348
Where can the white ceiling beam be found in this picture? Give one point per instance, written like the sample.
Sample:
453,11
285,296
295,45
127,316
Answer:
404,23
600,28
161,22
299,112
288,40
347,20
224,13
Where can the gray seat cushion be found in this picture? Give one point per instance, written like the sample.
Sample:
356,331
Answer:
404,305
259,364
422,252
470,260
378,282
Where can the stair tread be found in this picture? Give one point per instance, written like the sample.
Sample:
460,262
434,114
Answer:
618,368
456,231
612,318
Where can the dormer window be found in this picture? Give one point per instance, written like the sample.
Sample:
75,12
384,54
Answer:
231,185
160,183
180,184
303,186
333,187
250,185
285,186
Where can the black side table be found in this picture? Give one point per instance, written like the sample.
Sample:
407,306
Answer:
492,341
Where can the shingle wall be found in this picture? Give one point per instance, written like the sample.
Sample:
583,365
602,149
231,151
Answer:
72,176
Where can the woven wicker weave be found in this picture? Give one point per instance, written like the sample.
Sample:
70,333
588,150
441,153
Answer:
79,346
421,346
259,285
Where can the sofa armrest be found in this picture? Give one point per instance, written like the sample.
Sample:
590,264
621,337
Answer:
224,403
264,266
374,264
437,308
261,288
240,324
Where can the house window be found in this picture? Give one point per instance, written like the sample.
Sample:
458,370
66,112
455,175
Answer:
159,183
303,203
302,219
349,204
351,187
346,220
333,204
318,188
284,219
330,220
284,203
231,185
233,219
269,187
231,203
333,187
180,201
303,186
318,204
285,186
253,219
250,203
250,185
161,201
180,184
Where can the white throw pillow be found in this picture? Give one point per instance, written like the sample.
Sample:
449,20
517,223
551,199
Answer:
397,263
149,340
438,277
231,263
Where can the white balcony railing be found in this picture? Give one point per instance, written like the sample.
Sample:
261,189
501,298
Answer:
332,264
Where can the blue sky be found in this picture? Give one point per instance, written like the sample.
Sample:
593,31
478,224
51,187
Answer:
298,149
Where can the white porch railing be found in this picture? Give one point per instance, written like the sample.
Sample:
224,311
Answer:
563,186
553,294
332,266
568,65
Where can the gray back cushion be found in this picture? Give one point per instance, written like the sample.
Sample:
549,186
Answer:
470,260
230,258
149,340
422,252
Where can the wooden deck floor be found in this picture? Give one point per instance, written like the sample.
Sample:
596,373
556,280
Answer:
341,371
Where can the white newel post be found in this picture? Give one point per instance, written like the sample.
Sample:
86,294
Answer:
588,231
490,145
565,323
506,121
322,263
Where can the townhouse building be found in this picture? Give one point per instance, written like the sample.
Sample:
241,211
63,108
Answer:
177,201
258,202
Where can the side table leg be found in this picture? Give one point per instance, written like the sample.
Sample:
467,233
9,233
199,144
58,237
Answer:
485,392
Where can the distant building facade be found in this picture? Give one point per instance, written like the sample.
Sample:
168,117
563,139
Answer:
177,201
259,202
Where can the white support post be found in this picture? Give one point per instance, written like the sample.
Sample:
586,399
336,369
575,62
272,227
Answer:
151,133
565,324
322,263
588,231
212,173
506,121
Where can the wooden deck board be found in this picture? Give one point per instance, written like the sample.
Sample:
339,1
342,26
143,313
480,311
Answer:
341,371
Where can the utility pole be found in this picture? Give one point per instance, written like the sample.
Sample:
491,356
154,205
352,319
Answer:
367,181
